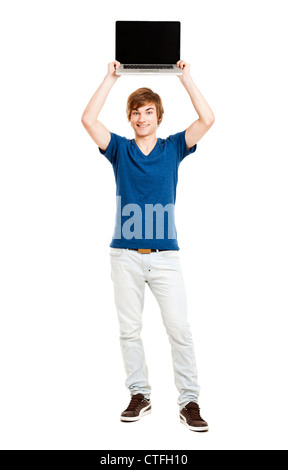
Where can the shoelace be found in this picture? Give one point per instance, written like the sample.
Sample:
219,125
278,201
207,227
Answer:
194,412
135,401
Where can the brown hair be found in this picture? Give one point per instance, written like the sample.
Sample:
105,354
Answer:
144,96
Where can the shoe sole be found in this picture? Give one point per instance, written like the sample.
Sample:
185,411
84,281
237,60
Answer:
143,412
193,428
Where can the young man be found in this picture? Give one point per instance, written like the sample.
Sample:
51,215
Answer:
144,248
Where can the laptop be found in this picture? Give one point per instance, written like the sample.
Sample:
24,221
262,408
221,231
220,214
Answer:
148,47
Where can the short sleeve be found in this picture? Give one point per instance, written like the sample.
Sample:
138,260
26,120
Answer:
179,142
112,151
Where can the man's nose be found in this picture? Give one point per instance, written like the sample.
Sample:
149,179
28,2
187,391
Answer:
142,117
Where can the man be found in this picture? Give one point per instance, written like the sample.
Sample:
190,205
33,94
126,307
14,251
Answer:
144,248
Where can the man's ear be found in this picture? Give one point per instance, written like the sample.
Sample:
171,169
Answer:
160,120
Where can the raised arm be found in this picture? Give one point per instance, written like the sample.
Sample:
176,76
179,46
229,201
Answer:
206,117
95,128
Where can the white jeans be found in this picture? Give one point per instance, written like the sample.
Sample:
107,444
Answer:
130,271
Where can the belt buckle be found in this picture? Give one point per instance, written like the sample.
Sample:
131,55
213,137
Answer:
144,251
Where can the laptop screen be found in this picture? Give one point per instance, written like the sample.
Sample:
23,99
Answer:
148,42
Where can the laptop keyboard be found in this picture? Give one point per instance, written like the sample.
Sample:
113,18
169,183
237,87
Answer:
147,66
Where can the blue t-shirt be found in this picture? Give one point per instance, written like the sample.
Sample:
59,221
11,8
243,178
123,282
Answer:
146,191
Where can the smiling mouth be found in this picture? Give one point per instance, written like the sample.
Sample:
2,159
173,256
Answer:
138,125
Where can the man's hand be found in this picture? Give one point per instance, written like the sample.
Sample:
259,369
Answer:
185,67
112,67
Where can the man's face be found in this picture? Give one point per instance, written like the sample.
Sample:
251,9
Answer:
144,120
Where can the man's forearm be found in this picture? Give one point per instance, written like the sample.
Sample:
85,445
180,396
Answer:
201,106
98,100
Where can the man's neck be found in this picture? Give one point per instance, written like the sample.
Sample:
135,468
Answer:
147,143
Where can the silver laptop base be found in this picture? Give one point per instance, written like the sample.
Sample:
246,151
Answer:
140,69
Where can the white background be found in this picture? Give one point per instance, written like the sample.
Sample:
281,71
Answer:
61,372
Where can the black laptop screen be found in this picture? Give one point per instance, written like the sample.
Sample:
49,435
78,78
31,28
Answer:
147,42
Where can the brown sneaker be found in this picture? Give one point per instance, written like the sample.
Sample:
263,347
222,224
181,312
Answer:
139,406
190,417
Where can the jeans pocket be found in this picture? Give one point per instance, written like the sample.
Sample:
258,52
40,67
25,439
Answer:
171,254
116,252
